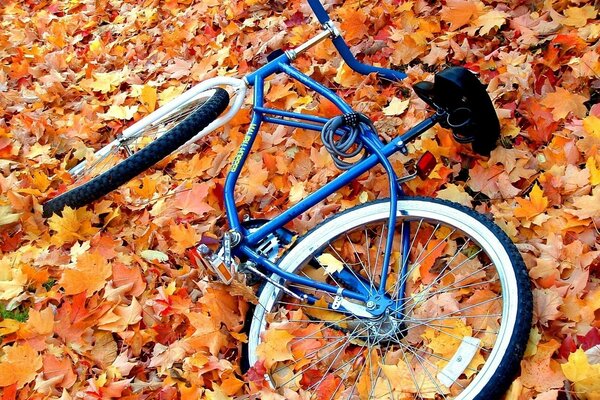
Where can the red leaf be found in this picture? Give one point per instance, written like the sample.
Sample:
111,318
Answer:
591,339
567,347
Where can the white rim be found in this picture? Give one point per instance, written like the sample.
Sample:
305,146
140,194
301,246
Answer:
204,89
414,208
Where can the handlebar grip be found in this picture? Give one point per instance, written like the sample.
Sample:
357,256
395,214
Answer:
364,69
344,50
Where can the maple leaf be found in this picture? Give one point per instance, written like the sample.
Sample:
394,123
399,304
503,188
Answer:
275,347
194,199
353,23
119,112
208,333
7,216
490,20
578,16
536,204
545,305
184,236
19,365
71,226
563,102
12,279
585,376
459,12
118,319
456,194
587,206
330,264
396,107
88,275
540,371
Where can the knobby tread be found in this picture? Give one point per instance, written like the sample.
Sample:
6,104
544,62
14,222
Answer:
509,366
142,160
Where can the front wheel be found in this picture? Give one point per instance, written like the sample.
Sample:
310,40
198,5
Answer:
129,157
456,327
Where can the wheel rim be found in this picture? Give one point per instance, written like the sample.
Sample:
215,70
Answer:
424,341
127,144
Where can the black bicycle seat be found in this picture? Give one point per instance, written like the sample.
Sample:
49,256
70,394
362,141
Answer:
471,114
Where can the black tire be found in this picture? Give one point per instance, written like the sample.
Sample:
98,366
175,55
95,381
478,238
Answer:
496,380
142,160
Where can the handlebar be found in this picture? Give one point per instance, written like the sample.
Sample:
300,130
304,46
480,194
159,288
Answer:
342,47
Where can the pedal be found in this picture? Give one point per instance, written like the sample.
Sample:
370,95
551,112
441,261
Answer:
203,256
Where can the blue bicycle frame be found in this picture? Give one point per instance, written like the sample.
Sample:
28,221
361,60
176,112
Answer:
378,154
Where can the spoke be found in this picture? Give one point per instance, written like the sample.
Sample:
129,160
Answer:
419,260
341,259
371,279
349,337
97,163
463,309
411,372
347,371
419,358
368,247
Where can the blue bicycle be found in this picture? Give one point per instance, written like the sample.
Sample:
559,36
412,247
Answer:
405,297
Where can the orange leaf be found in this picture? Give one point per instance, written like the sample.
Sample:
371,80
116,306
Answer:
459,12
536,204
353,23
19,365
275,347
193,200
563,102
90,274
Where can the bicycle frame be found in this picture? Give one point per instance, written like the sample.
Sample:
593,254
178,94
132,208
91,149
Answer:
379,153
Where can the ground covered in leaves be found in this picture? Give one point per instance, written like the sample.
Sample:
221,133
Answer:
87,311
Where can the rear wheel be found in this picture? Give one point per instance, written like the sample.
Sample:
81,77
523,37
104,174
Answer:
130,156
456,327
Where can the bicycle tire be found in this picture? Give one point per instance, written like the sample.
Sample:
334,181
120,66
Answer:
140,161
503,360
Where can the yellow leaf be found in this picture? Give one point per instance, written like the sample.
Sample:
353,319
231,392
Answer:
592,166
71,226
154,255
297,192
578,16
119,112
330,263
456,194
321,312
275,347
585,376
169,94
346,77
9,326
105,82
148,97
396,106
6,216
12,279
591,125
490,20
446,339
